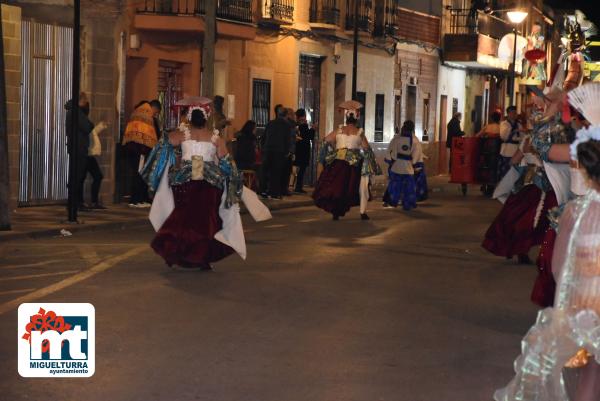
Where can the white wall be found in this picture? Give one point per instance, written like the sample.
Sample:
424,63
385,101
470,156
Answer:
452,83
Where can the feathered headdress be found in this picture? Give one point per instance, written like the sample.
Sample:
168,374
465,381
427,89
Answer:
586,100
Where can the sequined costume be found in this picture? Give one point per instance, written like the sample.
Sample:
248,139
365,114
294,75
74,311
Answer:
572,328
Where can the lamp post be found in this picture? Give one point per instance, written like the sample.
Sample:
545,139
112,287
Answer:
74,183
515,17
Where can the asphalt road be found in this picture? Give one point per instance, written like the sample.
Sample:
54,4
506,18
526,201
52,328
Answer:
404,307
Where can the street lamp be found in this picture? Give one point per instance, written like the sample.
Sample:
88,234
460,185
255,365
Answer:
515,17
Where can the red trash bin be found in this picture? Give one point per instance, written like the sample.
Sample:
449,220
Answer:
465,161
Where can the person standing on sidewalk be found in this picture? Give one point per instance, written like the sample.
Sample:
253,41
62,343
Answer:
511,133
454,131
304,141
92,166
288,161
276,147
80,153
139,139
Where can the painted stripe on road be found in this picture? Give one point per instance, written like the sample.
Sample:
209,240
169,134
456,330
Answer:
308,220
276,226
44,263
62,273
17,291
74,279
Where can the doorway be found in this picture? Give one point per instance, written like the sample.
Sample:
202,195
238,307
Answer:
411,103
443,130
339,93
46,70
309,99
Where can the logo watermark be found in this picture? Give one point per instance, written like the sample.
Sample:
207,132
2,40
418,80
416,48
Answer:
56,340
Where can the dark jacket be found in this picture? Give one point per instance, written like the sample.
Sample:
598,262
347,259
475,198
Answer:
245,152
277,136
454,131
303,146
83,133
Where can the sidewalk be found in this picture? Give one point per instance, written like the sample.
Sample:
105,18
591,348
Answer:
48,221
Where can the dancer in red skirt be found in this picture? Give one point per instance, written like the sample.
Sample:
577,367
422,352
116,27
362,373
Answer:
523,221
348,164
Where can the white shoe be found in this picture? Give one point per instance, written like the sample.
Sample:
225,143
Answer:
133,205
144,205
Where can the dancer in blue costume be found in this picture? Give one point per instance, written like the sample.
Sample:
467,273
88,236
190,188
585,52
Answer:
403,152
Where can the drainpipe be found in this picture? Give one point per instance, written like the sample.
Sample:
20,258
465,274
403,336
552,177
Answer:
208,50
74,140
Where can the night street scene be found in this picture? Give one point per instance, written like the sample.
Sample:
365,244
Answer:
300,200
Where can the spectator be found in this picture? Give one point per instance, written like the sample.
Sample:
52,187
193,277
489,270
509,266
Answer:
139,139
92,166
511,133
79,153
245,155
289,158
156,110
219,119
304,141
492,129
454,131
276,148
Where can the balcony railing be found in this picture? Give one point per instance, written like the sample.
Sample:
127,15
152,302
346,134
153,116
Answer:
366,14
325,12
234,10
278,10
468,21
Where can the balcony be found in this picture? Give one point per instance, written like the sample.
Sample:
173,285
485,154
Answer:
366,15
473,38
234,17
406,24
229,10
278,11
324,13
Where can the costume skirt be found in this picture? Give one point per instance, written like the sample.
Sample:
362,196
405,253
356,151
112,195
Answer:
337,188
187,237
545,286
421,182
514,231
401,188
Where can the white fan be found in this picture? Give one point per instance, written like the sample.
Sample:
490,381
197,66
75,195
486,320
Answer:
586,99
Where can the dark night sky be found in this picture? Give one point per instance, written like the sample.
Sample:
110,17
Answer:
589,7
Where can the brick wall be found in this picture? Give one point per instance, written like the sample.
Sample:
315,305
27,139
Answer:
11,30
99,79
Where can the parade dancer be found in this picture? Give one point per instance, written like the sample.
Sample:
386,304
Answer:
560,353
523,220
198,189
403,153
348,164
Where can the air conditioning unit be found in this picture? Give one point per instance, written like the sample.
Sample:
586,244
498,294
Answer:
413,81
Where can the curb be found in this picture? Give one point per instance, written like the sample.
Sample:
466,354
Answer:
136,222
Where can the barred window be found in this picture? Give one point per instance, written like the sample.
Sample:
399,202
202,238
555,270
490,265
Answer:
261,101
379,114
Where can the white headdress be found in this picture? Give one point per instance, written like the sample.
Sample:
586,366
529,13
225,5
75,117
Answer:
586,99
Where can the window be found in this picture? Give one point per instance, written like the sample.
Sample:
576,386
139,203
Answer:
379,114
261,101
361,97
425,124
398,112
170,90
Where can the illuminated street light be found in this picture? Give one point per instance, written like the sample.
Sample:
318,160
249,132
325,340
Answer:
515,17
